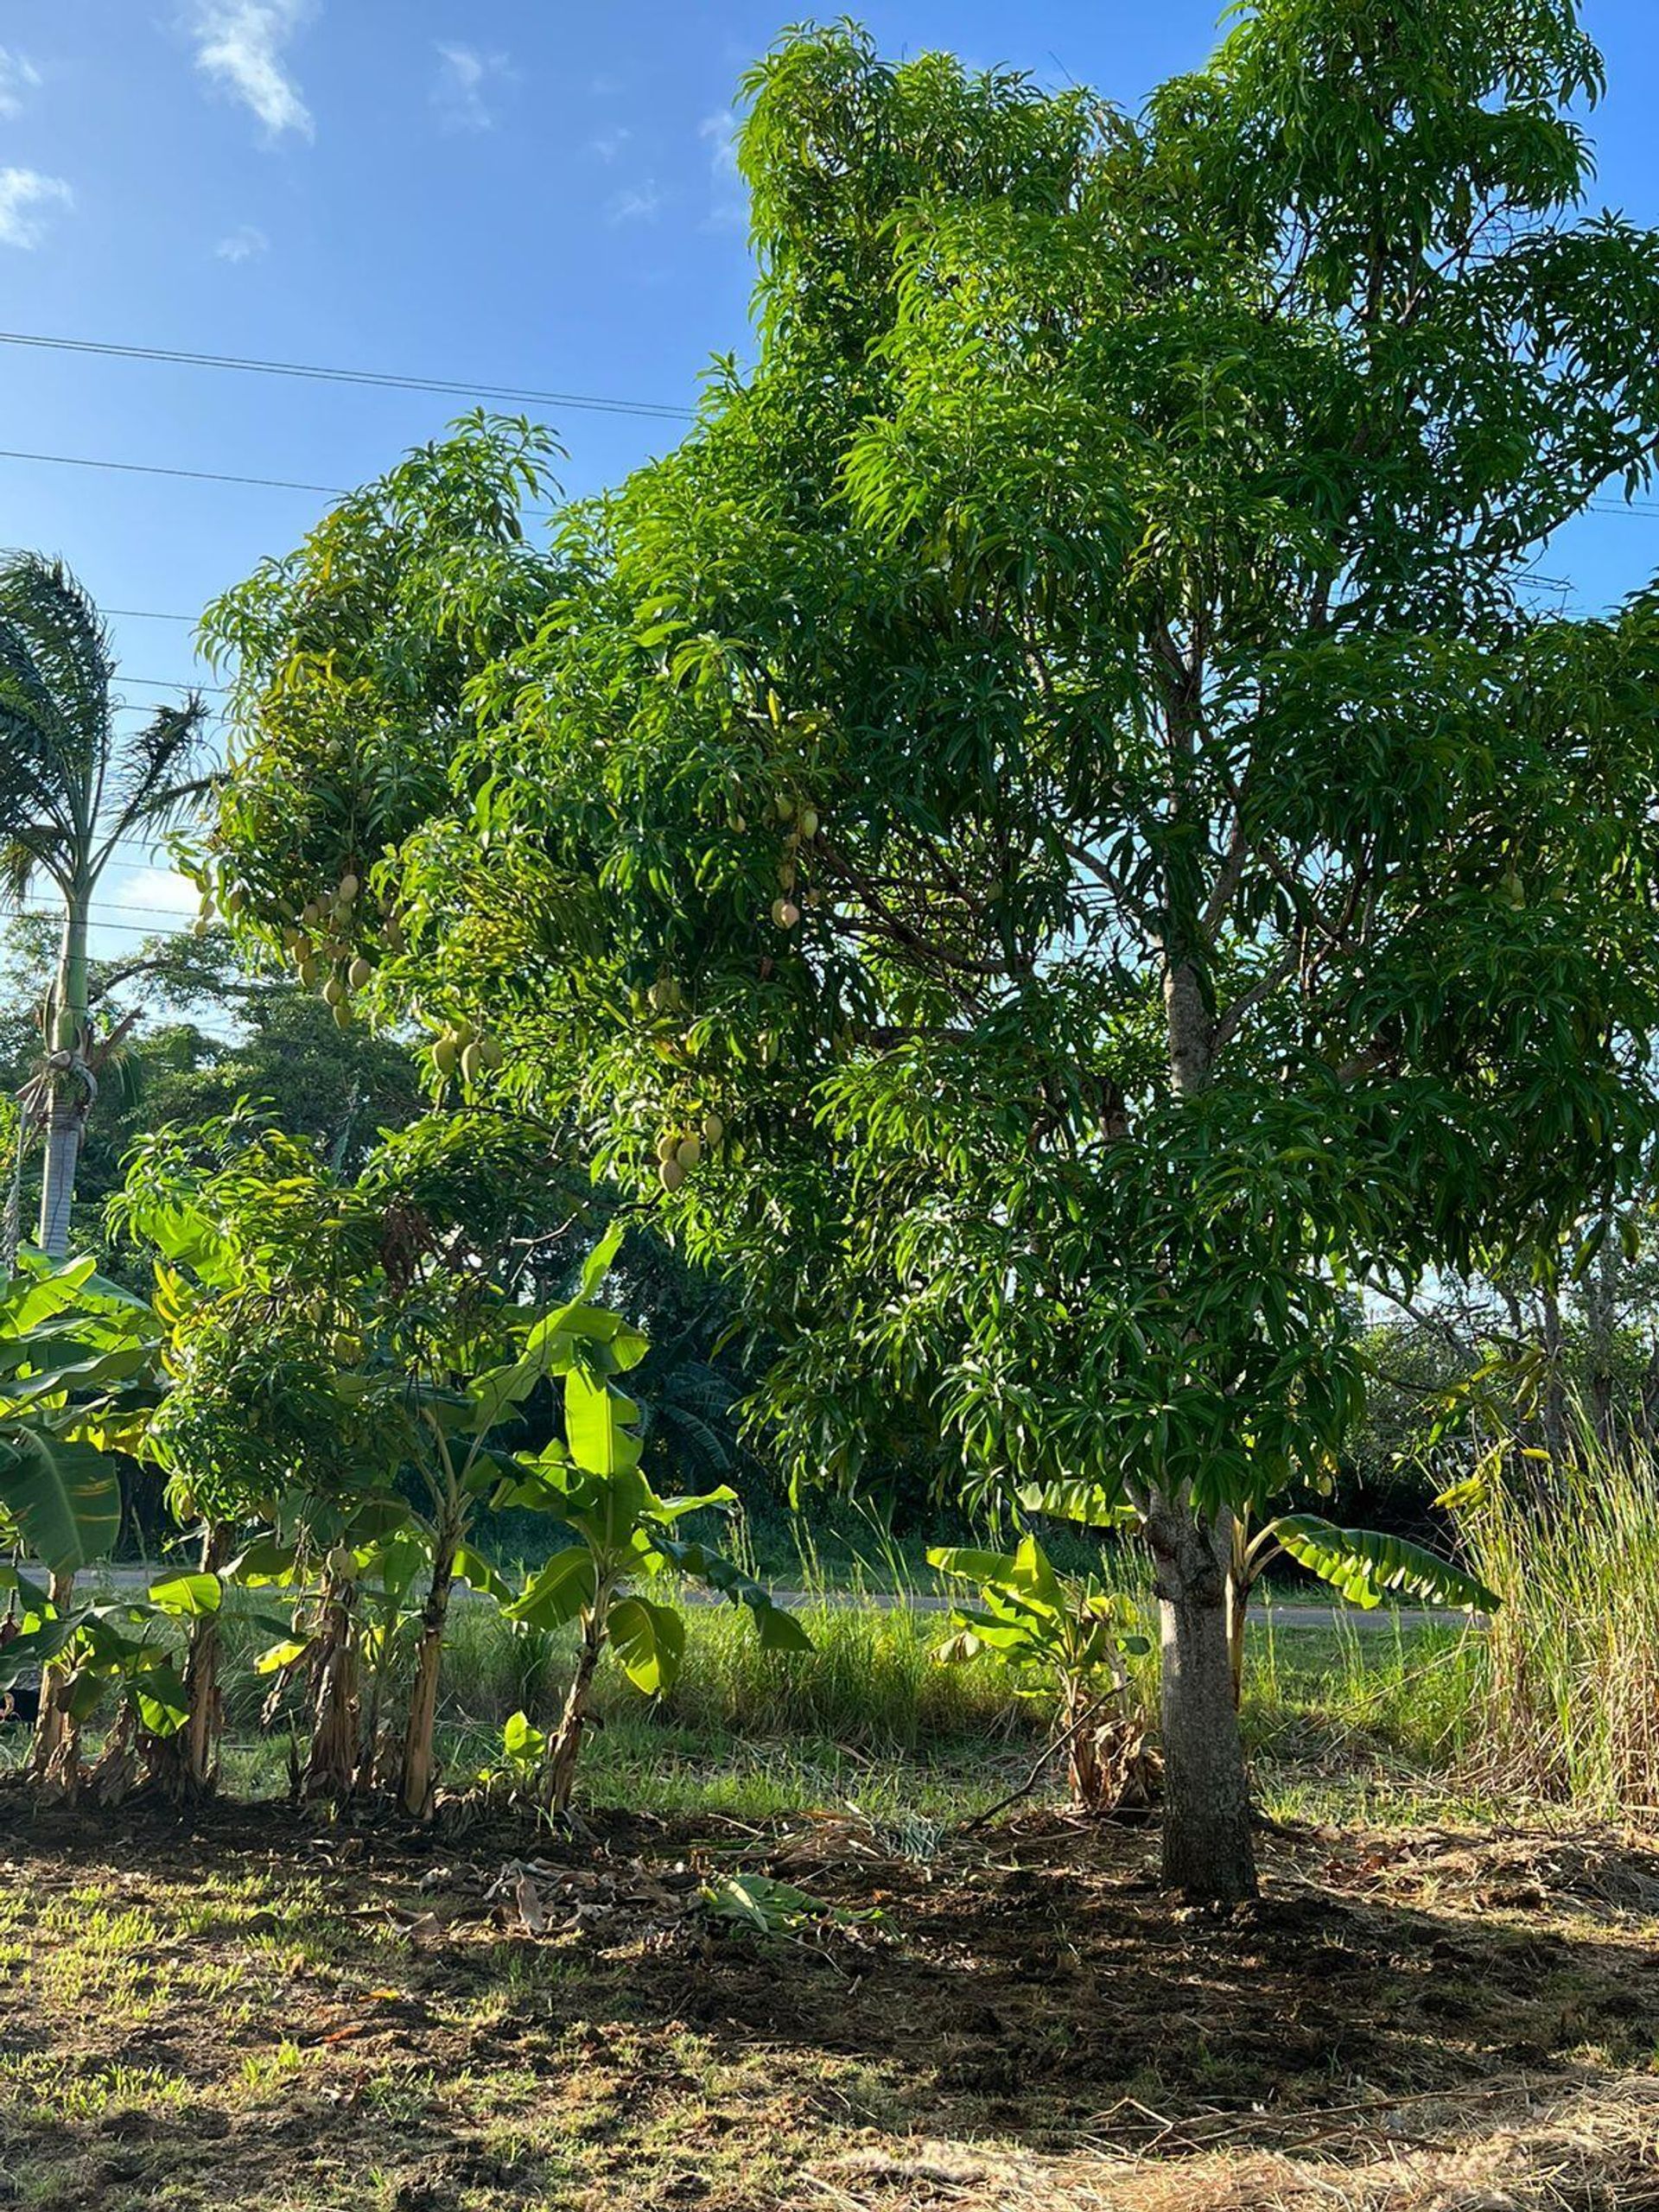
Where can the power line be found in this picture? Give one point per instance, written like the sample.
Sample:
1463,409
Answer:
190,475
377,379
121,929
168,683
195,476
37,903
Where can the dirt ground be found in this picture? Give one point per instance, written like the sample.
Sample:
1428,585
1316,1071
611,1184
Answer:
253,2010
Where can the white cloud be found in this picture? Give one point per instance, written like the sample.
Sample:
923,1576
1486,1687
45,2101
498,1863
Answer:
466,77
640,203
730,210
162,893
18,79
245,243
27,200
240,47
719,133
609,143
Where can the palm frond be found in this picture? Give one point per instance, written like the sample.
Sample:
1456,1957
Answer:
156,776
56,667
23,852
35,745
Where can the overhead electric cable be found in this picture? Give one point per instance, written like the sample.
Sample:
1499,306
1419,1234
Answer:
313,372
192,475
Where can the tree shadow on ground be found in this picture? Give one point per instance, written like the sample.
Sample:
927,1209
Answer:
253,2012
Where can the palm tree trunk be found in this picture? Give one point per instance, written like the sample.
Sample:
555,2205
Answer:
68,1117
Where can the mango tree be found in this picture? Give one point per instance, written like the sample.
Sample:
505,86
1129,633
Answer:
1054,832
259,1255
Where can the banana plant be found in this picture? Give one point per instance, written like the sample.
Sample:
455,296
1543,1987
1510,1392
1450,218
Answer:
75,1353
590,1481
1364,1565
447,1408
71,1346
1068,1633
128,1648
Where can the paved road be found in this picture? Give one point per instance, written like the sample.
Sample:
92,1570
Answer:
127,1579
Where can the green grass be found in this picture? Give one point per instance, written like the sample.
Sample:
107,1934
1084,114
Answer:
1567,1706
1376,1720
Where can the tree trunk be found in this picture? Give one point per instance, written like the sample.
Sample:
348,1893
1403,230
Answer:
1209,1853
331,1766
63,1134
54,1763
67,1119
184,1766
1557,1426
560,1778
205,1707
420,1771
1601,1323
1238,1621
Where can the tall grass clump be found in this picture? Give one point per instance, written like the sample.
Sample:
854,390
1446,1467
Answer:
1567,1698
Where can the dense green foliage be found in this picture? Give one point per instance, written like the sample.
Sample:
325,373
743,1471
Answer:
1052,828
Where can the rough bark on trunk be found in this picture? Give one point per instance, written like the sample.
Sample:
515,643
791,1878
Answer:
1209,1853
560,1778
331,1765
54,1763
420,1769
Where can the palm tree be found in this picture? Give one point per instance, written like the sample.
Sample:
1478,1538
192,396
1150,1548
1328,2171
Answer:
71,788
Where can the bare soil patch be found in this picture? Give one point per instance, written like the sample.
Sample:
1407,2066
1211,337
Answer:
252,2010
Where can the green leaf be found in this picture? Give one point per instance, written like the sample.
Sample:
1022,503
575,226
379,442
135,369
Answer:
28,1652
83,1693
565,1585
65,1496
521,1741
48,1296
265,1562
187,1597
779,1629
973,1566
596,1419
1367,1566
282,1655
1086,1505
650,1642
163,1704
772,1908
473,1569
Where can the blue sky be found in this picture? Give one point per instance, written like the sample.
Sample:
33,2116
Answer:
517,192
